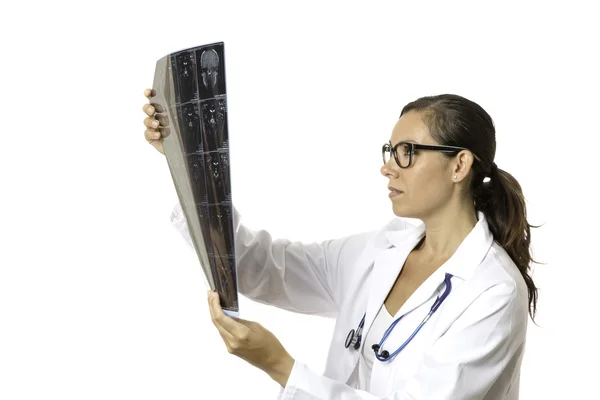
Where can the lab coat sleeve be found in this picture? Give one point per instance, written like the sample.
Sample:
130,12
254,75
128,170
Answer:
463,364
294,276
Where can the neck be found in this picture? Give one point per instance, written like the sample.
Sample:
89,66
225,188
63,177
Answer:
446,230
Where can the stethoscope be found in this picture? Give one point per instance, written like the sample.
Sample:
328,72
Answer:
354,339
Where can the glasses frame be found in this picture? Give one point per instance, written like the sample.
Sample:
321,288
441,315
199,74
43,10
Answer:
388,148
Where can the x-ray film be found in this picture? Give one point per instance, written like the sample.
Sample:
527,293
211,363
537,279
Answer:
191,105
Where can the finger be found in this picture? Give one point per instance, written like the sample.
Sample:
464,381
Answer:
239,331
149,93
151,134
163,119
164,132
150,122
227,337
149,109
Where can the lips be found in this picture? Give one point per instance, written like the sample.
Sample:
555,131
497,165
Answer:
394,190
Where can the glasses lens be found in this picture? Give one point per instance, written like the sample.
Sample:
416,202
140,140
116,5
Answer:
403,154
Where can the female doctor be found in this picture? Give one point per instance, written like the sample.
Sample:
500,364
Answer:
434,311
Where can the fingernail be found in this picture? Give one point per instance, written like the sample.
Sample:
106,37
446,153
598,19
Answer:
156,135
155,124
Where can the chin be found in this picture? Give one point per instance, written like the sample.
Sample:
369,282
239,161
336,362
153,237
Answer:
403,212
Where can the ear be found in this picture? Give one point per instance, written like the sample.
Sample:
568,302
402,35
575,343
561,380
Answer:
463,162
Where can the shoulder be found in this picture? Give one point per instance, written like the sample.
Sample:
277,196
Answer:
499,274
499,268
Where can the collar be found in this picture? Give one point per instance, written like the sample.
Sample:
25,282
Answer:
465,260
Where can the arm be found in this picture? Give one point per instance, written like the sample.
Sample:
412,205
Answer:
294,276
465,363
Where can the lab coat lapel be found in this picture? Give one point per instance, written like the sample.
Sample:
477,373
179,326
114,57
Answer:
386,268
343,361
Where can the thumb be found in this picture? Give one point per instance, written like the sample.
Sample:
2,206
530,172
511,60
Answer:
249,324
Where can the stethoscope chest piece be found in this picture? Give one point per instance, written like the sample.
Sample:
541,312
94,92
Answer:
353,340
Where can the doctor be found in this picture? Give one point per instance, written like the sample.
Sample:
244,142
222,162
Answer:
434,311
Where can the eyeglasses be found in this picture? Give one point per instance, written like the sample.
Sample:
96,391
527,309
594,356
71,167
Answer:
404,151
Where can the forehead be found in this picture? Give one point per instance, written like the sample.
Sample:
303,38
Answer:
411,128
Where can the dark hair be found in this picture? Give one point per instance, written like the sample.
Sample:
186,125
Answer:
455,121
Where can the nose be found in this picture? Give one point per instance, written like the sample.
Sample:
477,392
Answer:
389,169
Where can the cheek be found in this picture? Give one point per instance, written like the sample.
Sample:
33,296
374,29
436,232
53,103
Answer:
428,189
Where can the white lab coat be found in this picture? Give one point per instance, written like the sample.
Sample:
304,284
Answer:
471,348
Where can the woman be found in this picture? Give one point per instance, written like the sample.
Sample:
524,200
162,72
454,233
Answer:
435,311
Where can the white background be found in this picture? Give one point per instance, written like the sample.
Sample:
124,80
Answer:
100,298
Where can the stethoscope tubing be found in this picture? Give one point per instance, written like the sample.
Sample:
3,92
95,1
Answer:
355,338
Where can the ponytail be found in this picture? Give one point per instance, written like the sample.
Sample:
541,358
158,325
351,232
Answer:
502,202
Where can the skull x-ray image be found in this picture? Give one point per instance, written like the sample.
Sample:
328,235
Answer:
209,63
210,72
191,94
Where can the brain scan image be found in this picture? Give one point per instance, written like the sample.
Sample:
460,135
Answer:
189,116
216,166
184,70
214,124
210,72
209,67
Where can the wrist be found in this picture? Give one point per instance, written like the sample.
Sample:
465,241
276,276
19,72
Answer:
280,371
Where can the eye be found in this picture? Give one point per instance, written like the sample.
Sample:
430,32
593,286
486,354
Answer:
404,149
